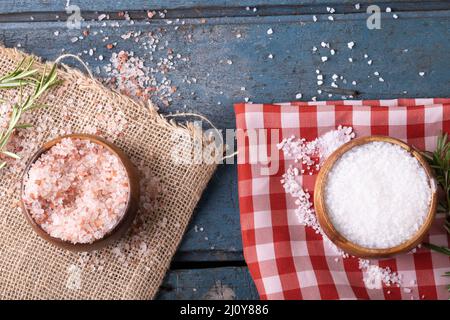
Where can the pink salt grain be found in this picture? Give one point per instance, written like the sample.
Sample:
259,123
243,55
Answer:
77,191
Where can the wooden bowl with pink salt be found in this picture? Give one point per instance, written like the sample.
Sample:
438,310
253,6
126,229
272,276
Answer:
80,192
375,197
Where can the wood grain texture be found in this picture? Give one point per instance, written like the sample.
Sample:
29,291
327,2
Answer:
20,6
404,47
212,283
415,42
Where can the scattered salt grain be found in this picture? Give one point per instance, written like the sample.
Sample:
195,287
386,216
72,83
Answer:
378,195
350,45
269,31
309,154
374,276
421,73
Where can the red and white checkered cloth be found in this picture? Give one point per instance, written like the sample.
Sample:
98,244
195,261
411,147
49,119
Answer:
290,261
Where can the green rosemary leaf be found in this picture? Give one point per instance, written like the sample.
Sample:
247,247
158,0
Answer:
22,76
23,126
12,84
11,154
439,249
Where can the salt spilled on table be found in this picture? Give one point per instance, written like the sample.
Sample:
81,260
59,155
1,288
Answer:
77,191
312,154
378,195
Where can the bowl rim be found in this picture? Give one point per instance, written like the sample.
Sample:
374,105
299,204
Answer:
336,237
130,210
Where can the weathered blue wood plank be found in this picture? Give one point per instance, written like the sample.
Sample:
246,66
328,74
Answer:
20,6
214,233
416,42
215,284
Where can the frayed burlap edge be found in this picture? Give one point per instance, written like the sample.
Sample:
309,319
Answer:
30,268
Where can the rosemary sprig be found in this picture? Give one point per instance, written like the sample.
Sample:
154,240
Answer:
22,76
439,160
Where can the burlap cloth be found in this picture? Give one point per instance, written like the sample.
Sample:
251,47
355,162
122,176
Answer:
134,268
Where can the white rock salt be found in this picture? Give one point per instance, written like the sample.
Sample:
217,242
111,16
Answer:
378,195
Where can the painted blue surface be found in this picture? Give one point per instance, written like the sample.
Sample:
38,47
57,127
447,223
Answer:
415,42
118,5
220,283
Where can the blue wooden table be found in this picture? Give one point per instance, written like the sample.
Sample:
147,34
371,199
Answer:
232,57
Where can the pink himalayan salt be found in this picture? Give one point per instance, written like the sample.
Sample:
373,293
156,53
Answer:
77,191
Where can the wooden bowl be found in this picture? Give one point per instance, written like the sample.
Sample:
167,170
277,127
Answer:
130,210
325,221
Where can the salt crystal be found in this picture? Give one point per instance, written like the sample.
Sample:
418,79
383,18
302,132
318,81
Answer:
350,44
269,31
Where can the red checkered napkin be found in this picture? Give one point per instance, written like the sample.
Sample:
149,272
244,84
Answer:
290,261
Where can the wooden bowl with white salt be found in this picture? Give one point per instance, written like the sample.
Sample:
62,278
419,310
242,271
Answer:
375,197
80,192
